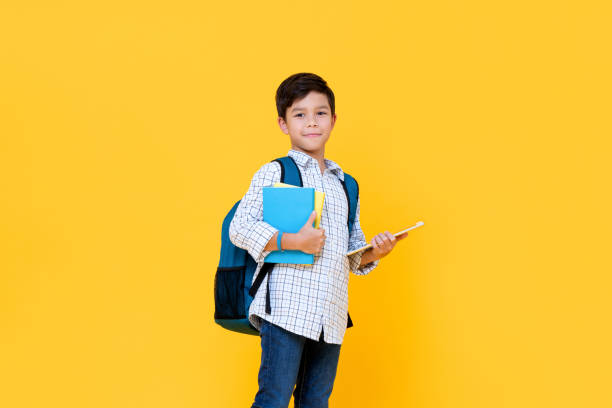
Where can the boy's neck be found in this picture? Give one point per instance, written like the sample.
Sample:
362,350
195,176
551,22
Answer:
318,155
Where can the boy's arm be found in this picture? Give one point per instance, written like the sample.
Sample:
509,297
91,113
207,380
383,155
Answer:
357,240
288,241
247,229
367,257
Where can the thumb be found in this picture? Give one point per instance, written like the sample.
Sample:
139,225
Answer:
312,217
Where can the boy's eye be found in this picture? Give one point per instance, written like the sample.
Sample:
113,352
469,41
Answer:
302,114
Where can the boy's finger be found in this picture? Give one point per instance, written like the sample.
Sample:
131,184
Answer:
312,217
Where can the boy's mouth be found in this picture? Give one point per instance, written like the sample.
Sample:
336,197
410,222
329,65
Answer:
312,135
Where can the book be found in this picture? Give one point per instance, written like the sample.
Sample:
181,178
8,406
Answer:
288,209
319,199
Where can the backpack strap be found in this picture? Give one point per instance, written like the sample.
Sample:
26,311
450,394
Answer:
351,189
290,174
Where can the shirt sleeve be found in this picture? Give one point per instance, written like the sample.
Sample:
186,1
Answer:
357,240
247,229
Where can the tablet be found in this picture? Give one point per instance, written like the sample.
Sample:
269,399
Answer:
418,224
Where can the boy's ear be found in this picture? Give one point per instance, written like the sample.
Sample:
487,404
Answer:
283,125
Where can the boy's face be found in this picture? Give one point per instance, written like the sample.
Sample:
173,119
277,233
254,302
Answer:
309,123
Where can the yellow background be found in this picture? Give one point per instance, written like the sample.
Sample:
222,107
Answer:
129,129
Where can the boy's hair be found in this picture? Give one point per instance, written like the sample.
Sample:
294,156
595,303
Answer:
298,86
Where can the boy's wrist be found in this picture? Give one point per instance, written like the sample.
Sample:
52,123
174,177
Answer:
291,241
368,257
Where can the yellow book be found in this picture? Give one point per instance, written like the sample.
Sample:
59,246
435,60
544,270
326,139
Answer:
319,198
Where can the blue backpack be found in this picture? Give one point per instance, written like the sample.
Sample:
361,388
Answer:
233,290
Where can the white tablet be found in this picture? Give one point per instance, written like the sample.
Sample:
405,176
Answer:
418,224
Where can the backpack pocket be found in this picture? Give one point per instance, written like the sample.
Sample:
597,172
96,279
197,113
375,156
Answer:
229,293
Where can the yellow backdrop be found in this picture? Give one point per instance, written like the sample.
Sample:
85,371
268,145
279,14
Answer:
129,129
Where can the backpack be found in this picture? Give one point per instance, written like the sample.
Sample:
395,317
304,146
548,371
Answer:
233,290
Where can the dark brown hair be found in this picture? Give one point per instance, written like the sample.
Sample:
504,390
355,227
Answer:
298,86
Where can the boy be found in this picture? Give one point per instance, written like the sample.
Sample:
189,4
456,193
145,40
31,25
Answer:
301,337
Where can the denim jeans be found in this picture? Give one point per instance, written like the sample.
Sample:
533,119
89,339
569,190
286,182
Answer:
289,360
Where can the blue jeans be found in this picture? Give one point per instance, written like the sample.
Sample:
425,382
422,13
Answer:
289,360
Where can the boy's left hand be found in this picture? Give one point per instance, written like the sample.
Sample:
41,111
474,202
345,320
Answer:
384,242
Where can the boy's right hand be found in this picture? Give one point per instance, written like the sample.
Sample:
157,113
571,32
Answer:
311,240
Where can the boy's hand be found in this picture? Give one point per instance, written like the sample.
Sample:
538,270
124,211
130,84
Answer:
384,242
311,240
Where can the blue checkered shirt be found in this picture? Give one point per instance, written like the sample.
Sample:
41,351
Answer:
304,299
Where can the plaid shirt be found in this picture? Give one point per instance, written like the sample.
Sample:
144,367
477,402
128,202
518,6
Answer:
304,298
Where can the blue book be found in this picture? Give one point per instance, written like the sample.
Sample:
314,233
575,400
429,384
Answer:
287,209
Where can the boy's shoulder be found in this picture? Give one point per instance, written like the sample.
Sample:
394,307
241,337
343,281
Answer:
267,174
269,167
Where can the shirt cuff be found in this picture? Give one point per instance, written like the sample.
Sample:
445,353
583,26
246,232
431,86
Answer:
355,260
260,235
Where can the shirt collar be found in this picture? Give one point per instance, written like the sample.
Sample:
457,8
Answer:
303,160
